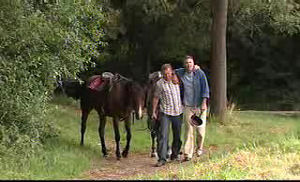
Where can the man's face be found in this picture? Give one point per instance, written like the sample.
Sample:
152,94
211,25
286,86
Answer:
189,64
168,73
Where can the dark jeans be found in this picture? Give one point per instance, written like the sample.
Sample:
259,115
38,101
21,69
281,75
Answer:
163,135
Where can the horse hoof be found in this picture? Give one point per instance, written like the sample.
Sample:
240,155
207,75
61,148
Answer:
154,154
125,154
119,158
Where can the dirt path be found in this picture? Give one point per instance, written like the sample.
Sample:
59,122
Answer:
112,169
136,164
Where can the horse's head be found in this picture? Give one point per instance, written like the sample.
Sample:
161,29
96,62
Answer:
138,98
72,88
152,79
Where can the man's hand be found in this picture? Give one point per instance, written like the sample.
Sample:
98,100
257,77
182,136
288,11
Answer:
204,104
175,79
197,67
154,116
154,107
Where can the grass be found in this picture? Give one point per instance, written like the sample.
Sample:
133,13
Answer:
63,157
249,145
249,163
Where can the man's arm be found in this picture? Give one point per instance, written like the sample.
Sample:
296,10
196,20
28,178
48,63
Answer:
155,101
204,104
205,89
154,107
175,78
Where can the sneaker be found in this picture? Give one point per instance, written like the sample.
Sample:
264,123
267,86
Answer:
169,153
199,152
160,163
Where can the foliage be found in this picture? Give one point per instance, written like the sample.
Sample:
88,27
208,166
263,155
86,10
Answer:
40,40
57,158
262,44
144,34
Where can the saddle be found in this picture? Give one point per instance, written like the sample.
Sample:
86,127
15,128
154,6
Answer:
98,82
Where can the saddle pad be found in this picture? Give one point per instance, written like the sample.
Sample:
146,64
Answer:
96,83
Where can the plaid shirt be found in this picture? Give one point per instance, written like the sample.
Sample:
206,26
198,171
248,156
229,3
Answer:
169,95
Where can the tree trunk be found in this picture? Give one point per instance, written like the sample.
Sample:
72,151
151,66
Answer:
218,62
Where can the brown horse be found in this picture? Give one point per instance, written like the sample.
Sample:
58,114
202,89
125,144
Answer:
118,98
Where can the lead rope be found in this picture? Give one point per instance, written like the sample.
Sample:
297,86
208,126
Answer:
133,113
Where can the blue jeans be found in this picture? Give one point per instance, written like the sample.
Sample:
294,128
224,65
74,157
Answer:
163,135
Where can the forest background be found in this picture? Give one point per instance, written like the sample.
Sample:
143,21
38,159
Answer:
41,40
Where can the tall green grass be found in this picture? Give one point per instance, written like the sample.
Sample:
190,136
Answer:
249,145
63,157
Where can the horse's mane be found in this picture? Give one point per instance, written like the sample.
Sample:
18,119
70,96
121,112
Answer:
152,79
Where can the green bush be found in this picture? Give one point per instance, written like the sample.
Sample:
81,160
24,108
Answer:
38,42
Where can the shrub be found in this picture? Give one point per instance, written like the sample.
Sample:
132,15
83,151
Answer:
39,41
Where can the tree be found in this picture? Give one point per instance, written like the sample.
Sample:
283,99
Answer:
144,34
218,59
262,40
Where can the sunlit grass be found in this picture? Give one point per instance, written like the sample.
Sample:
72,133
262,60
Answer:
249,145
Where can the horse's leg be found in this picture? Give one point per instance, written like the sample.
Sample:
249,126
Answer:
151,127
154,135
169,149
117,137
84,116
101,131
153,152
128,137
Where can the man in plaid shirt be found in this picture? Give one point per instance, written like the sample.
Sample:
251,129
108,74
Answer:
168,92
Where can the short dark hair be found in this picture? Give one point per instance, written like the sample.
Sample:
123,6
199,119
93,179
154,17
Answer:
188,57
164,67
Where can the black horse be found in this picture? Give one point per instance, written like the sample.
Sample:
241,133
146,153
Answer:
117,98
